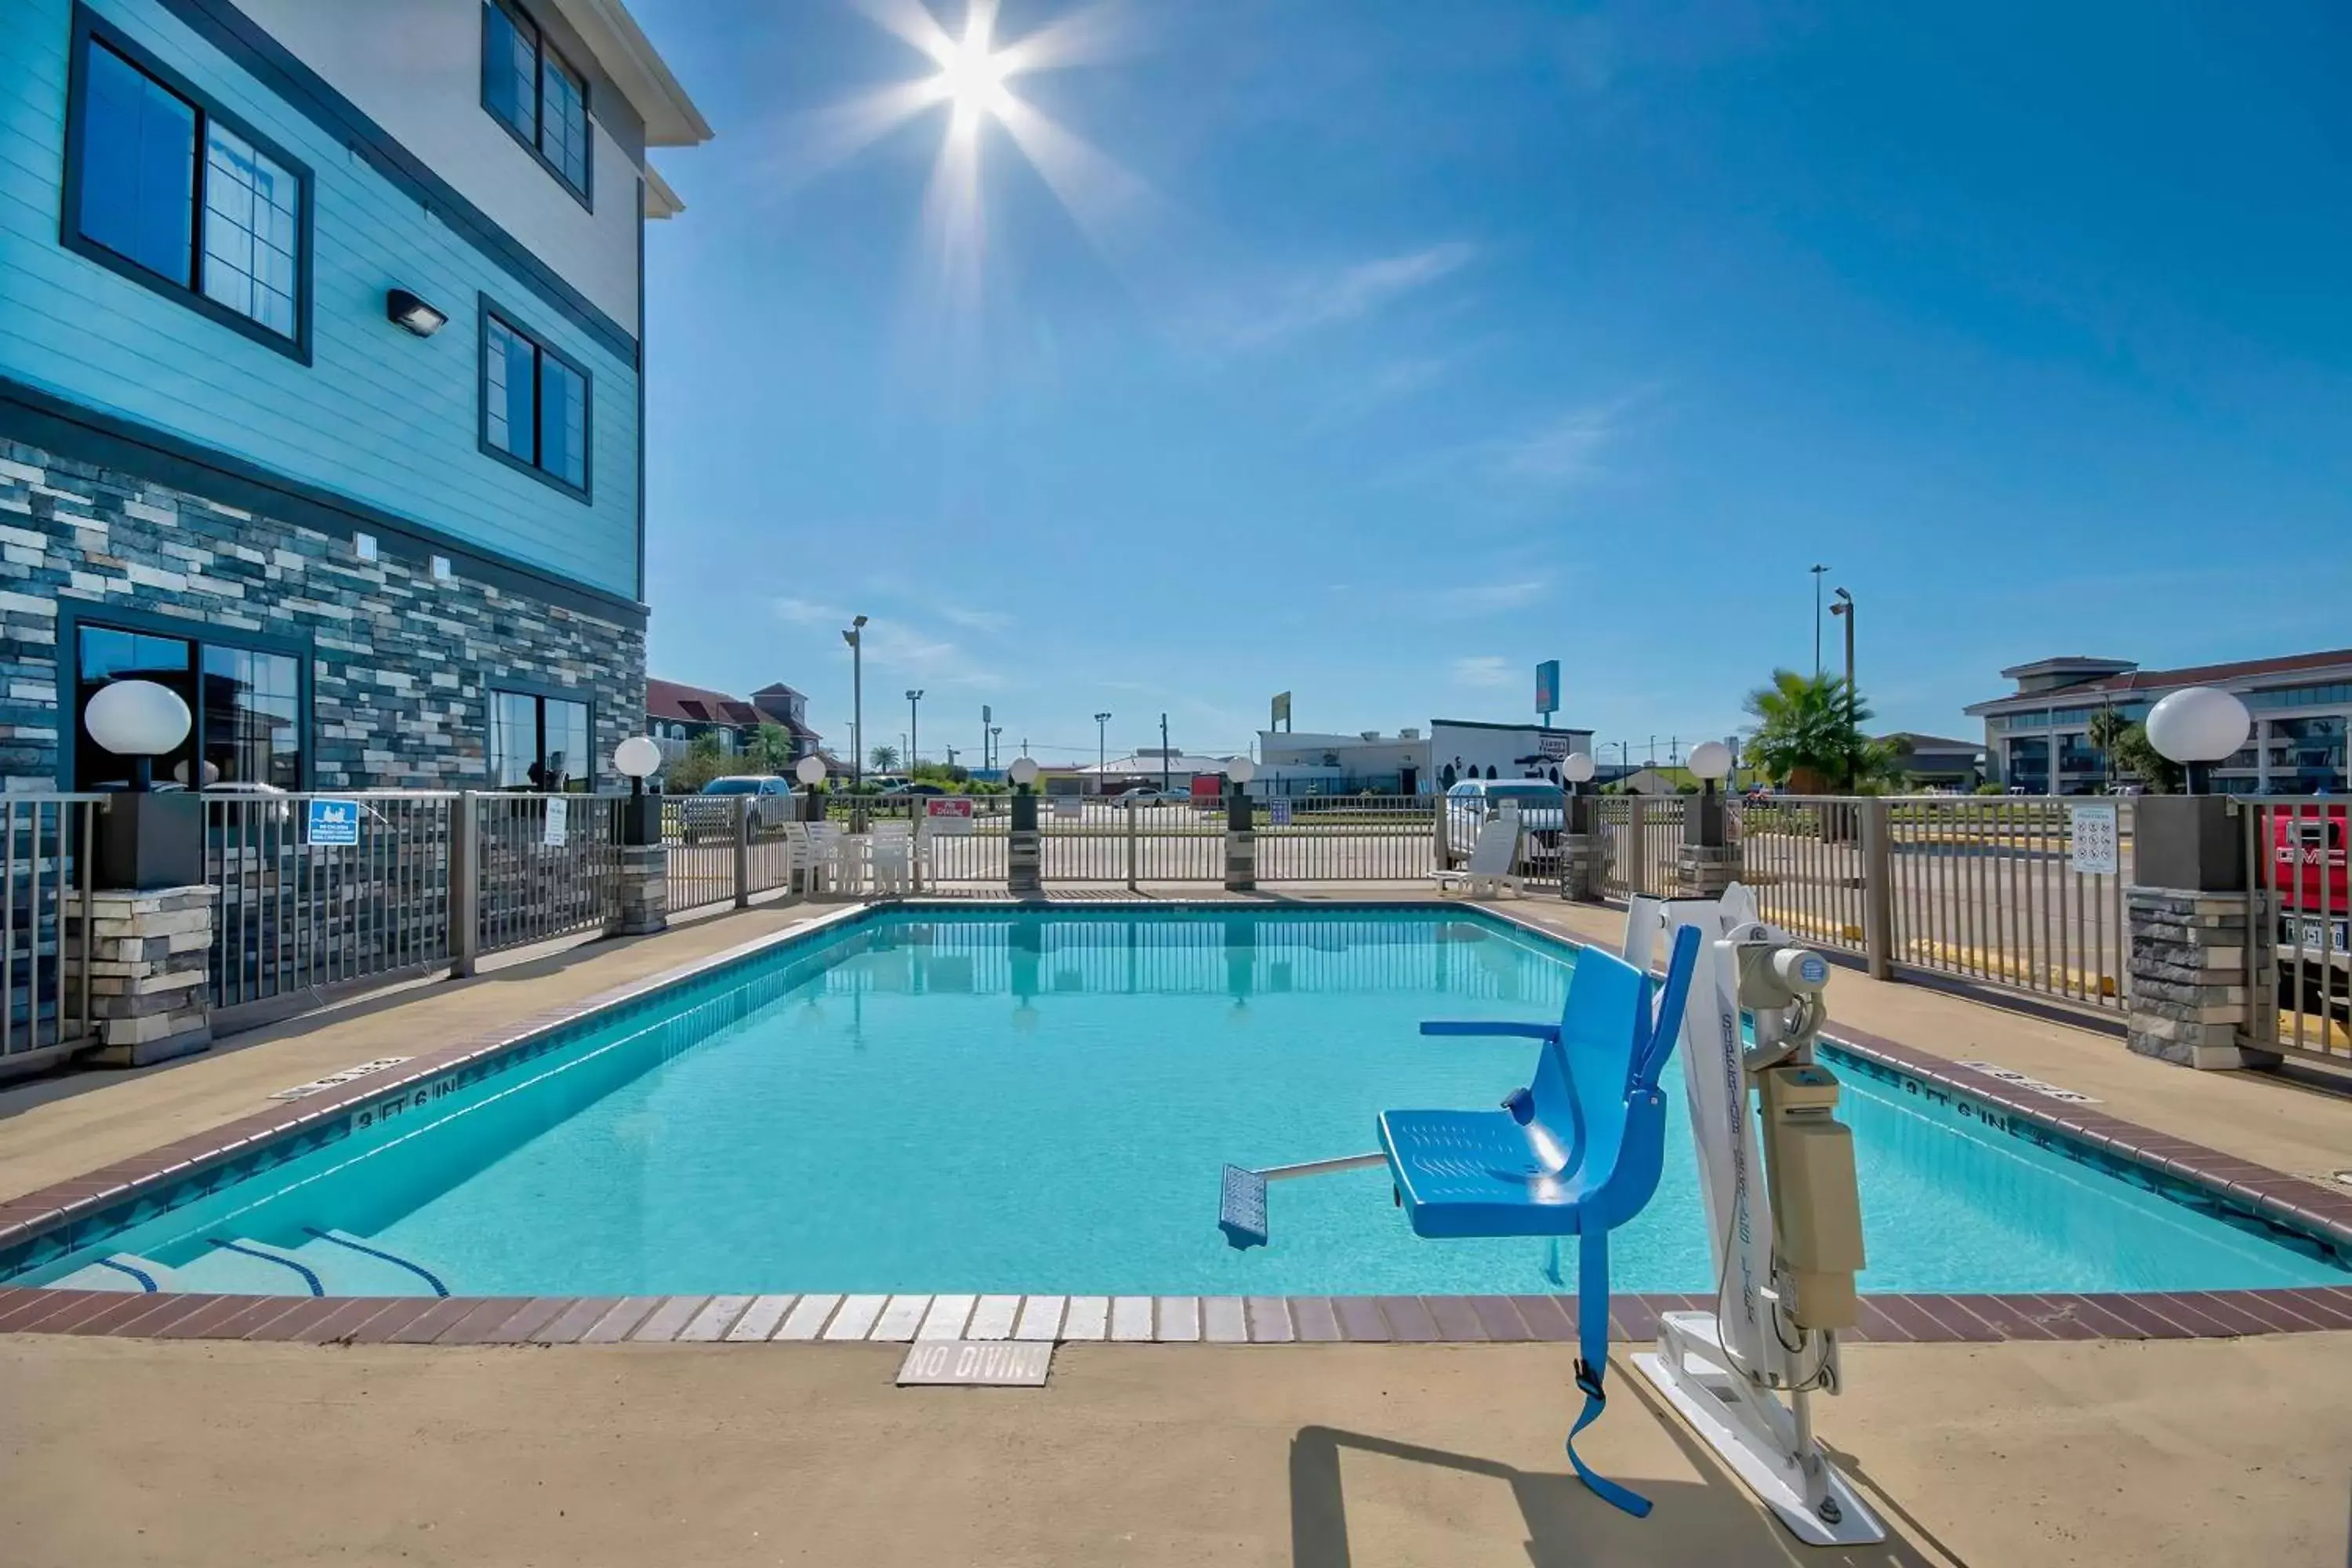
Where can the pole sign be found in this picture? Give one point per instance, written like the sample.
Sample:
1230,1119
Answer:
332,822
1281,715
1548,687
948,814
2093,849
556,828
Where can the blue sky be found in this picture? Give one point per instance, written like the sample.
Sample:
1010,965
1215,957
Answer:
1375,350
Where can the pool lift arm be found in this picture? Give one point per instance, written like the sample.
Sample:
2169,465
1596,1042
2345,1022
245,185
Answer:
1785,1249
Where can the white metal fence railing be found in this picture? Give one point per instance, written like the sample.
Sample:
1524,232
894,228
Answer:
45,861
1345,838
2299,962
294,917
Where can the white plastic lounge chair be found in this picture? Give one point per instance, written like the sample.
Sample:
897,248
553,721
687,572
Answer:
1492,868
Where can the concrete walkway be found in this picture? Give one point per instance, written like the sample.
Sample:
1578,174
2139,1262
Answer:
2161,1456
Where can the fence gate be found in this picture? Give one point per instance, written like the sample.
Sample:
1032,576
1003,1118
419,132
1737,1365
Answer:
1345,838
44,983
545,866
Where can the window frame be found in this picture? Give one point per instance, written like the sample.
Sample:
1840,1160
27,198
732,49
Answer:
90,31
541,49
494,687
584,491
198,636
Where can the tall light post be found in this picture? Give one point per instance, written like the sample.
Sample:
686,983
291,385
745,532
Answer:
1818,569
1102,747
1166,785
995,743
914,729
1843,610
855,637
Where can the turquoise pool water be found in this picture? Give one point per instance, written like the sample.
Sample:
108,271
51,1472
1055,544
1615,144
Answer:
991,1101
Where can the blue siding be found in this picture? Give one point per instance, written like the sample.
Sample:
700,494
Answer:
379,416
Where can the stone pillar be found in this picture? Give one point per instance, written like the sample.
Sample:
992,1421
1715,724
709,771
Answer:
645,891
1581,870
2191,918
1241,843
1023,850
1704,870
150,957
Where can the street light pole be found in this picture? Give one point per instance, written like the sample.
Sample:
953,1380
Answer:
995,745
1818,569
855,637
1843,610
1165,784
1102,751
914,729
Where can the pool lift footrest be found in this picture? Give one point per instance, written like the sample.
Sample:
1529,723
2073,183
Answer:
1241,1201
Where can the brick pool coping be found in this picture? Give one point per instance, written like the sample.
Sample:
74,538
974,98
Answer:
2255,1190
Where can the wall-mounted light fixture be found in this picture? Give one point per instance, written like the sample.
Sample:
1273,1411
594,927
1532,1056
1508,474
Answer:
405,310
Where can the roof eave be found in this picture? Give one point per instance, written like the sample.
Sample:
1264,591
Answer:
635,67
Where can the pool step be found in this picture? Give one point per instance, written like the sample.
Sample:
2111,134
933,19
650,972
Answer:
329,1263
121,1271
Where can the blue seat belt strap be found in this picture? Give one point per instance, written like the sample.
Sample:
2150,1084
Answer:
1592,1363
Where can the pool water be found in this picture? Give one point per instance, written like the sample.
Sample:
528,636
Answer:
987,1100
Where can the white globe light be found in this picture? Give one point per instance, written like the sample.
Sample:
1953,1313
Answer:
810,771
2199,724
1240,770
1577,768
637,757
1710,760
1023,771
136,719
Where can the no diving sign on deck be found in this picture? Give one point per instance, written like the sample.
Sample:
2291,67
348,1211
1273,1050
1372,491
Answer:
976,1363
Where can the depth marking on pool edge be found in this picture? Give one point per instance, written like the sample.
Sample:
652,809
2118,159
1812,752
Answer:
2017,1080
976,1363
303,1090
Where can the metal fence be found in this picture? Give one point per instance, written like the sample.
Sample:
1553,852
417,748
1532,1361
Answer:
1801,857
1123,843
545,866
44,982
295,918
2299,962
1345,838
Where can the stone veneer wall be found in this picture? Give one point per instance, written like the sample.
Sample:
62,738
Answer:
402,665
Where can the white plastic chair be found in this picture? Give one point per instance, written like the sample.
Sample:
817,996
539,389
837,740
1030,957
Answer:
1493,860
890,856
832,853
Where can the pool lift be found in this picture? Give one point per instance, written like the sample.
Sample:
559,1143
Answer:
1579,1152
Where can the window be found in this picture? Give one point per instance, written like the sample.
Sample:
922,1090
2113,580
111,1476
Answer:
528,88
163,189
246,704
540,743
534,405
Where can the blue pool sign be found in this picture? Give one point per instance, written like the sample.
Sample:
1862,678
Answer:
1548,687
332,822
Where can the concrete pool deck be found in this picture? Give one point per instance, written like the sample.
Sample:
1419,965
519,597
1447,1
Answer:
2063,1449
118,1451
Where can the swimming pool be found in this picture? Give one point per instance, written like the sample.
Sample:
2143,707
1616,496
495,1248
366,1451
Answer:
1040,1101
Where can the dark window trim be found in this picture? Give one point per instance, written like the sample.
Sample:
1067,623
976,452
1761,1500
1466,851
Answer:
89,30
85,435
220,24
73,617
541,693
538,341
542,48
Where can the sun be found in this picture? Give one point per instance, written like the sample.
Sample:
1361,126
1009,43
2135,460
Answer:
972,79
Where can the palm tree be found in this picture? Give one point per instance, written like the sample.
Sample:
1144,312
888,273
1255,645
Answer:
884,758
1809,732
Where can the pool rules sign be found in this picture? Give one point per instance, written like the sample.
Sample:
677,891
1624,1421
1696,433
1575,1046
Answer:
2093,844
976,1363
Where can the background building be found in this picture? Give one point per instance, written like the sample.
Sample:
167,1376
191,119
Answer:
320,392
1938,762
677,714
1410,762
2038,737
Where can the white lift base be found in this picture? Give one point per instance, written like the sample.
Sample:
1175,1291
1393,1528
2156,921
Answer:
1755,1435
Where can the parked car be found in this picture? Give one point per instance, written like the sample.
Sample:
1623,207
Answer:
712,813
2314,922
1143,795
1543,813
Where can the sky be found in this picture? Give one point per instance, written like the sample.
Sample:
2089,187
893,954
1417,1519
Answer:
1375,350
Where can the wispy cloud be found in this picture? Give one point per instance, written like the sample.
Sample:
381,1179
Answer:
1392,382
1483,670
896,647
808,612
1491,598
995,623
1562,452
1326,297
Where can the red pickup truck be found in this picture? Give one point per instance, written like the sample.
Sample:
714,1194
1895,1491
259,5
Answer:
2306,874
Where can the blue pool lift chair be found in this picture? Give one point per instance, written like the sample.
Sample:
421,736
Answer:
1577,1153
